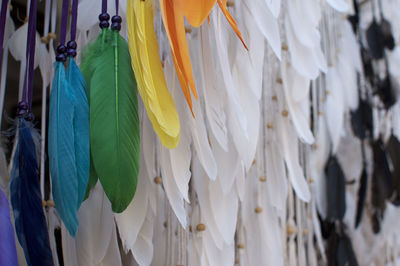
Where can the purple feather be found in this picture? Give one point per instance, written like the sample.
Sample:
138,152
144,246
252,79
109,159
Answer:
8,252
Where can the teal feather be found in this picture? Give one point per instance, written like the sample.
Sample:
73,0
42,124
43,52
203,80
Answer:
61,146
81,126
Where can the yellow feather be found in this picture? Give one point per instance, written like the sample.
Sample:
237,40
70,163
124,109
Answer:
146,64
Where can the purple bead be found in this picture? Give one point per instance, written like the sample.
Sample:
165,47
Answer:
104,17
72,45
71,52
116,26
29,117
61,49
116,19
21,112
104,24
22,105
60,58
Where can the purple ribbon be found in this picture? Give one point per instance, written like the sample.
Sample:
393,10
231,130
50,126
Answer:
3,14
104,6
64,21
30,55
74,18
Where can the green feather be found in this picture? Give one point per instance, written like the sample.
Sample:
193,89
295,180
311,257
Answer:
114,120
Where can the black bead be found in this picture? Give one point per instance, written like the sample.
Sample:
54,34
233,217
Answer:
104,17
61,49
29,117
22,105
71,52
104,24
116,19
60,58
116,26
72,45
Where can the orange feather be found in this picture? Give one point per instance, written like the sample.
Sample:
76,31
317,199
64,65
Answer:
172,16
195,11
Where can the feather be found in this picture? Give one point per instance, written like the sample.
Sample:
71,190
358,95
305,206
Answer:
340,5
95,231
62,150
30,222
114,121
290,154
231,90
7,240
200,183
81,126
266,23
231,20
113,255
195,11
131,220
171,189
172,17
335,189
291,82
213,100
334,107
149,74
143,248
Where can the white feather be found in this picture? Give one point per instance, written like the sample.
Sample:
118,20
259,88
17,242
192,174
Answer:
290,153
174,196
221,42
96,227
143,248
267,24
213,100
68,248
200,182
224,208
180,162
291,81
339,5
113,256
132,218
334,107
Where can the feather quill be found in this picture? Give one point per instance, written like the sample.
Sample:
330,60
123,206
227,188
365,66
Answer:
149,74
61,150
114,120
30,222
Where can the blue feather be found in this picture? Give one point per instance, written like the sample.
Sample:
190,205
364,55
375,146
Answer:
30,222
8,253
61,145
81,126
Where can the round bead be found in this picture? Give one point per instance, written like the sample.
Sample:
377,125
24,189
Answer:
61,49
116,19
71,52
104,24
72,45
22,105
29,117
104,17
21,112
116,26
60,58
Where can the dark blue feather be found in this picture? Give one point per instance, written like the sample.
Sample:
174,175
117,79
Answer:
61,144
81,126
8,253
30,222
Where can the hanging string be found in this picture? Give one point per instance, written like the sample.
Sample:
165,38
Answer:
104,17
72,45
25,106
